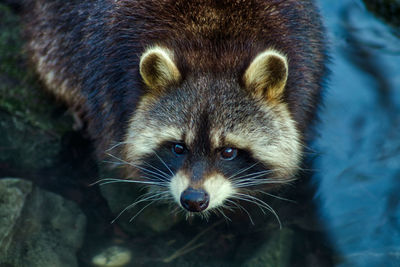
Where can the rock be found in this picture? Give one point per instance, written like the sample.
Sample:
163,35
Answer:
114,256
275,252
155,218
38,228
13,193
31,123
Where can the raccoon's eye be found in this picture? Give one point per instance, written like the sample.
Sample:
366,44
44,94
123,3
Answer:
228,153
178,149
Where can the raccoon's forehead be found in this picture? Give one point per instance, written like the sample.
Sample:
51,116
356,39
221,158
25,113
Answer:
193,100
201,114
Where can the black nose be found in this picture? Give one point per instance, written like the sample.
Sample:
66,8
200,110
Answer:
195,200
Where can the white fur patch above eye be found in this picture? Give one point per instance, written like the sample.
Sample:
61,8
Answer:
144,135
144,141
179,183
280,146
219,189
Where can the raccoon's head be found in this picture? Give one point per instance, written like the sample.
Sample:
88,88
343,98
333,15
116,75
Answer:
207,140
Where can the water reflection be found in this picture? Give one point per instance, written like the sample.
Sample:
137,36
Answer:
359,170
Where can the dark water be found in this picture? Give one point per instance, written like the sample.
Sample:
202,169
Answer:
357,170
359,165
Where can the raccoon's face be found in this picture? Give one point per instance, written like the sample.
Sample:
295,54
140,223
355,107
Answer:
207,141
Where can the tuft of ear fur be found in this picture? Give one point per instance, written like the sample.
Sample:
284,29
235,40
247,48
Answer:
266,76
158,69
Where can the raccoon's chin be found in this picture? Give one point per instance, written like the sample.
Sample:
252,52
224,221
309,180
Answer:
212,193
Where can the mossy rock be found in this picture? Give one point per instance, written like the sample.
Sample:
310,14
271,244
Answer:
31,123
37,236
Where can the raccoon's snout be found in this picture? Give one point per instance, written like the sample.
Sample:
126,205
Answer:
195,200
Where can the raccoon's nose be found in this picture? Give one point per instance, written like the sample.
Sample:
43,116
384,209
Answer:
195,200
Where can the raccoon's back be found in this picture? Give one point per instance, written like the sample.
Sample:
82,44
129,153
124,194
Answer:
78,55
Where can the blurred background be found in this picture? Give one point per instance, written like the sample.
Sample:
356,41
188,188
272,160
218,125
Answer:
359,165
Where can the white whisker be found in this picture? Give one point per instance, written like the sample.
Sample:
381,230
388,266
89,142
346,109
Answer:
258,174
157,170
252,182
275,196
219,210
261,204
139,167
241,208
165,164
242,170
142,198
118,144
112,180
144,208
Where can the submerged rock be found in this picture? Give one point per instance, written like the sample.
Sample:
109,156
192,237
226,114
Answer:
31,123
114,256
37,228
13,193
275,252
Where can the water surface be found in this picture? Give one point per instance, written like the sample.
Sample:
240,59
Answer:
359,165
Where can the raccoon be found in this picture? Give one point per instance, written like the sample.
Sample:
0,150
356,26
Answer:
207,102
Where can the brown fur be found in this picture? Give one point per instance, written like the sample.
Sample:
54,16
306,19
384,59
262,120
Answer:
206,37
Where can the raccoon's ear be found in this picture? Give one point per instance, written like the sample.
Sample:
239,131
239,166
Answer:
267,74
158,69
